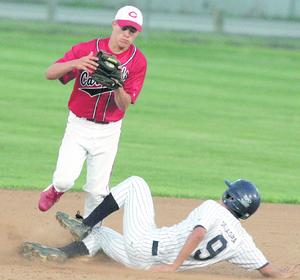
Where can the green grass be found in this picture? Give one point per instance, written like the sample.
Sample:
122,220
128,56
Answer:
212,107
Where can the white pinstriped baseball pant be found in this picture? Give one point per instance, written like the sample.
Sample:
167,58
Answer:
134,247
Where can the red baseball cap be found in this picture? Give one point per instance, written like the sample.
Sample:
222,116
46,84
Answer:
130,16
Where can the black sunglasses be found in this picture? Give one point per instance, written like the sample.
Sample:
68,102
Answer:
130,28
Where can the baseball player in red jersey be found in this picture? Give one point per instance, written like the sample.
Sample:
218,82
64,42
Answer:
96,112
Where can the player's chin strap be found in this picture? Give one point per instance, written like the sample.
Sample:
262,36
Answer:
235,214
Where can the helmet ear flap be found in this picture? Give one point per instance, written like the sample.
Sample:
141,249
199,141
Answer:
231,203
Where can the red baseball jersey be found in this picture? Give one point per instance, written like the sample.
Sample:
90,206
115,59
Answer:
94,101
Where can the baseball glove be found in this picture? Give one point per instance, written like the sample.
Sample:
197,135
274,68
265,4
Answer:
108,72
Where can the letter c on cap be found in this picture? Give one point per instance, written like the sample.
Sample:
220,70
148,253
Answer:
133,14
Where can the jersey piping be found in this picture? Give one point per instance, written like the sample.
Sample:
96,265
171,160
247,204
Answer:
96,105
129,59
106,105
110,93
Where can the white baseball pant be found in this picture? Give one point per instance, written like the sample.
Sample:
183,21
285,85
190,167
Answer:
95,143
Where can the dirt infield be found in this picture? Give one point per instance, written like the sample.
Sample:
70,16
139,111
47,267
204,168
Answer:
275,228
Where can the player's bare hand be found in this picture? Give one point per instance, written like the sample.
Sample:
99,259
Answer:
163,268
87,63
275,272
289,272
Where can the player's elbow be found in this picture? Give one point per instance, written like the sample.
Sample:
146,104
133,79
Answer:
54,71
50,75
199,233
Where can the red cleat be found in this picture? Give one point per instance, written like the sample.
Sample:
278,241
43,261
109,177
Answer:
48,198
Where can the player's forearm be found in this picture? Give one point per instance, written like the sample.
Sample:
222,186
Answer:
122,99
57,70
190,245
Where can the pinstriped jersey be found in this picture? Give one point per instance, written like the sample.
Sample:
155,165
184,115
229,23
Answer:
225,240
94,101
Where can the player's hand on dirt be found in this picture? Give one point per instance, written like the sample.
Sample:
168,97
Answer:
288,272
87,63
163,268
276,272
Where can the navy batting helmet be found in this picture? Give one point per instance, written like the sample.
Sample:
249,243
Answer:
241,198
